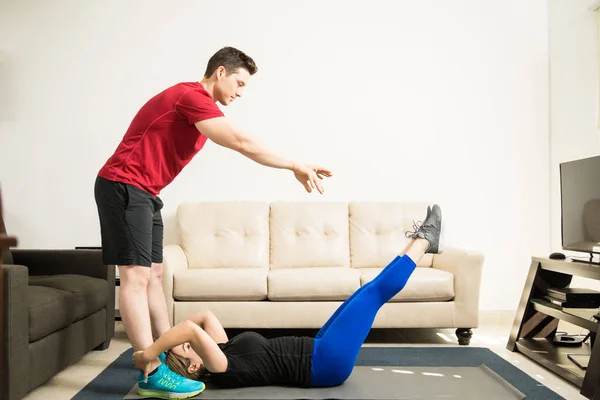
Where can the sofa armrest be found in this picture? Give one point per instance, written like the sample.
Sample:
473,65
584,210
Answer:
15,332
174,260
69,261
466,266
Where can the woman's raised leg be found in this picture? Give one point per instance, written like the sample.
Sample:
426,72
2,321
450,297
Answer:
336,349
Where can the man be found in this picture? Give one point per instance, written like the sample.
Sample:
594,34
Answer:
164,136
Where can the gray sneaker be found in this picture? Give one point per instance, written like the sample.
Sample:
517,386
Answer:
417,225
430,229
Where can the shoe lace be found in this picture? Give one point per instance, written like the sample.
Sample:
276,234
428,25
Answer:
175,378
416,227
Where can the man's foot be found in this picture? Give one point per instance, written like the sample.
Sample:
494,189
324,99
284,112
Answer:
430,229
166,384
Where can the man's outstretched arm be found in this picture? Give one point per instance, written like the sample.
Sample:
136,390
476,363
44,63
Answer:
223,133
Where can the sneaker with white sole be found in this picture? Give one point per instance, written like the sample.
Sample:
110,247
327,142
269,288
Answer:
430,229
166,384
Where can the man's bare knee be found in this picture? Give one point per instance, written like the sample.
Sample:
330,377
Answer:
157,272
134,277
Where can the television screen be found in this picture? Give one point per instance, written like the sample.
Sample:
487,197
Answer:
580,205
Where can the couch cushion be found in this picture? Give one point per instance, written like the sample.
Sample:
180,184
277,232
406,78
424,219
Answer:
306,284
49,311
309,234
378,231
225,234
91,294
425,284
219,284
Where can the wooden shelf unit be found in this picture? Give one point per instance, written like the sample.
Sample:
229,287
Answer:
536,324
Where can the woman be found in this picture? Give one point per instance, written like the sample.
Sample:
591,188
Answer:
199,348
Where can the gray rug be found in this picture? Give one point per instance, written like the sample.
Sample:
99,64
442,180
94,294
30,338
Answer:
118,379
379,383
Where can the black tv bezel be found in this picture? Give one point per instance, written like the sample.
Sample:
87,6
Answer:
562,238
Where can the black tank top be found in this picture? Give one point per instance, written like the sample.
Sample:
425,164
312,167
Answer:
254,360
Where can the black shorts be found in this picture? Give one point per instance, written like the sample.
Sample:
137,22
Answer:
131,224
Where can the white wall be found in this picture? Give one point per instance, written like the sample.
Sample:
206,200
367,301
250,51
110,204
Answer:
443,101
574,82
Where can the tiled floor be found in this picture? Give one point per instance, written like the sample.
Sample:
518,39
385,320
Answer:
492,333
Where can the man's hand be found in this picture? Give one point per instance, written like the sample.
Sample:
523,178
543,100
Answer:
141,362
310,176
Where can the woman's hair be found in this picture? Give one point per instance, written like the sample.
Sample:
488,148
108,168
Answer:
180,365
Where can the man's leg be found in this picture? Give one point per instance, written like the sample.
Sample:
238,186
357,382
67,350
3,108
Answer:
133,305
126,230
126,220
159,317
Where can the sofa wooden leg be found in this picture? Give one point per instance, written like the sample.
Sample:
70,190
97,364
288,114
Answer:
103,345
464,336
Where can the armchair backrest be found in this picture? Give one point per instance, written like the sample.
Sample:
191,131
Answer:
6,254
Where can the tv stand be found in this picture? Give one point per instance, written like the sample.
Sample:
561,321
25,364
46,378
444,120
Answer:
536,323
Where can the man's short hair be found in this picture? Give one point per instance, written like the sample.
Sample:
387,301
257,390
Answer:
232,59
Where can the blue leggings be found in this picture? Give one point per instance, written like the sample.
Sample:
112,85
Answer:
337,344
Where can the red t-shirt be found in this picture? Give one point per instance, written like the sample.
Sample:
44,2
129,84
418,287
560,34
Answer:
162,138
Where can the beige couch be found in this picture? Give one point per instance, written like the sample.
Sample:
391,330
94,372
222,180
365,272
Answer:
291,264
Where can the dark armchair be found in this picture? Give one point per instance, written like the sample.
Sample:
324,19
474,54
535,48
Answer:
57,306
